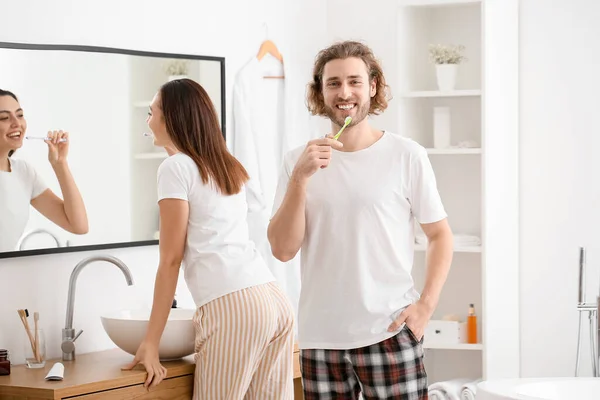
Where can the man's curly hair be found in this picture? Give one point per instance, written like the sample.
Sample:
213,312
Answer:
343,50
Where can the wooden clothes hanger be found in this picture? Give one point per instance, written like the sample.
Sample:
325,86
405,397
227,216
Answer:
268,47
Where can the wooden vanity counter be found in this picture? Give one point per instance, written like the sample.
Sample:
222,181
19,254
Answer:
98,375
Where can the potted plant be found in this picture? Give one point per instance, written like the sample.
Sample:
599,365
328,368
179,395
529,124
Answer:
446,59
176,69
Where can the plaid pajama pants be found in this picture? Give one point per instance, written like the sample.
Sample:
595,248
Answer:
392,369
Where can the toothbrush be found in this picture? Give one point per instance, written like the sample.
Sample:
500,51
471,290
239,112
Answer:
45,138
346,123
38,356
147,134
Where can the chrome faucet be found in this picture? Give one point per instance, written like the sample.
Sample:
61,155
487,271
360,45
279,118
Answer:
68,333
593,311
34,232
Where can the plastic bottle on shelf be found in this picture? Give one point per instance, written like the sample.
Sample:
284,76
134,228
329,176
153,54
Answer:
471,325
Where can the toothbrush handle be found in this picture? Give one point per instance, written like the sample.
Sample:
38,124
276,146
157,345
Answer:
63,140
581,275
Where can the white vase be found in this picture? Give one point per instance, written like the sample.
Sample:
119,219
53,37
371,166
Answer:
173,77
446,76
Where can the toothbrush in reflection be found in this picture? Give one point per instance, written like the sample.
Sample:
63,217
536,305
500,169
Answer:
45,138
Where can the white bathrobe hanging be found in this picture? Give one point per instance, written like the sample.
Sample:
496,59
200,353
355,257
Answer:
269,119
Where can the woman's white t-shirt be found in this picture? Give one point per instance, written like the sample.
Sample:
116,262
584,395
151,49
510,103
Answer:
219,257
17,188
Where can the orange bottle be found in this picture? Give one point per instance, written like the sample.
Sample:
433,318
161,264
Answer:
471,325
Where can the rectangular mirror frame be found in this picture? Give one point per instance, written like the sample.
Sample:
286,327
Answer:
99,49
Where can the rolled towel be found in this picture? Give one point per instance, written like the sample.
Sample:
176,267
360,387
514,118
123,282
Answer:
420,239
447,390
469,390
436,394
459,240
467,240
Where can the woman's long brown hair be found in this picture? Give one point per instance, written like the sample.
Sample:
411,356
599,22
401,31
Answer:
193,126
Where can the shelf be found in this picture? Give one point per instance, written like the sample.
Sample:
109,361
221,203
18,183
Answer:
458,249
436,3
453,346
450,93
457,150
151,156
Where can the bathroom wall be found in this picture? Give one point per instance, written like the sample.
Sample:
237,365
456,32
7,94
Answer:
559,188
229,28
345,22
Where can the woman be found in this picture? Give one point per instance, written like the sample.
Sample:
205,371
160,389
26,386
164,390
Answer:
20,185
244,322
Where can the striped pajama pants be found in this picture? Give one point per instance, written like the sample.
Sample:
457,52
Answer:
244,346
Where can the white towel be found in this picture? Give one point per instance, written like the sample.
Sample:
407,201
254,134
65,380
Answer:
420,239
467,240
469,390
447,390
436,394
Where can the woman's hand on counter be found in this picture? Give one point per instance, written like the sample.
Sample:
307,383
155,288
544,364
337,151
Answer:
148,356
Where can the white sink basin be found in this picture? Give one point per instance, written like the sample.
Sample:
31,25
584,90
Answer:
127,330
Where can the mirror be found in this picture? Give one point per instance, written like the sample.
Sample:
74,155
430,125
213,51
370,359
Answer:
100,96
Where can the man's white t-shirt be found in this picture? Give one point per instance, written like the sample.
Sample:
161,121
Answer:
17,188
219,257
357,254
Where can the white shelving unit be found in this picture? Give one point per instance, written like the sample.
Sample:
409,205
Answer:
457,249
449,93
458,346
454,151
458,169
436,3
151,156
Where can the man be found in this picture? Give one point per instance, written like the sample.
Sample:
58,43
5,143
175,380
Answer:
350,205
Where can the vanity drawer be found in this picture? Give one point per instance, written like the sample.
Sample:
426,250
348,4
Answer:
180,388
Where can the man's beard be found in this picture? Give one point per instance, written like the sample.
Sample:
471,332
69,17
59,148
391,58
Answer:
361,113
